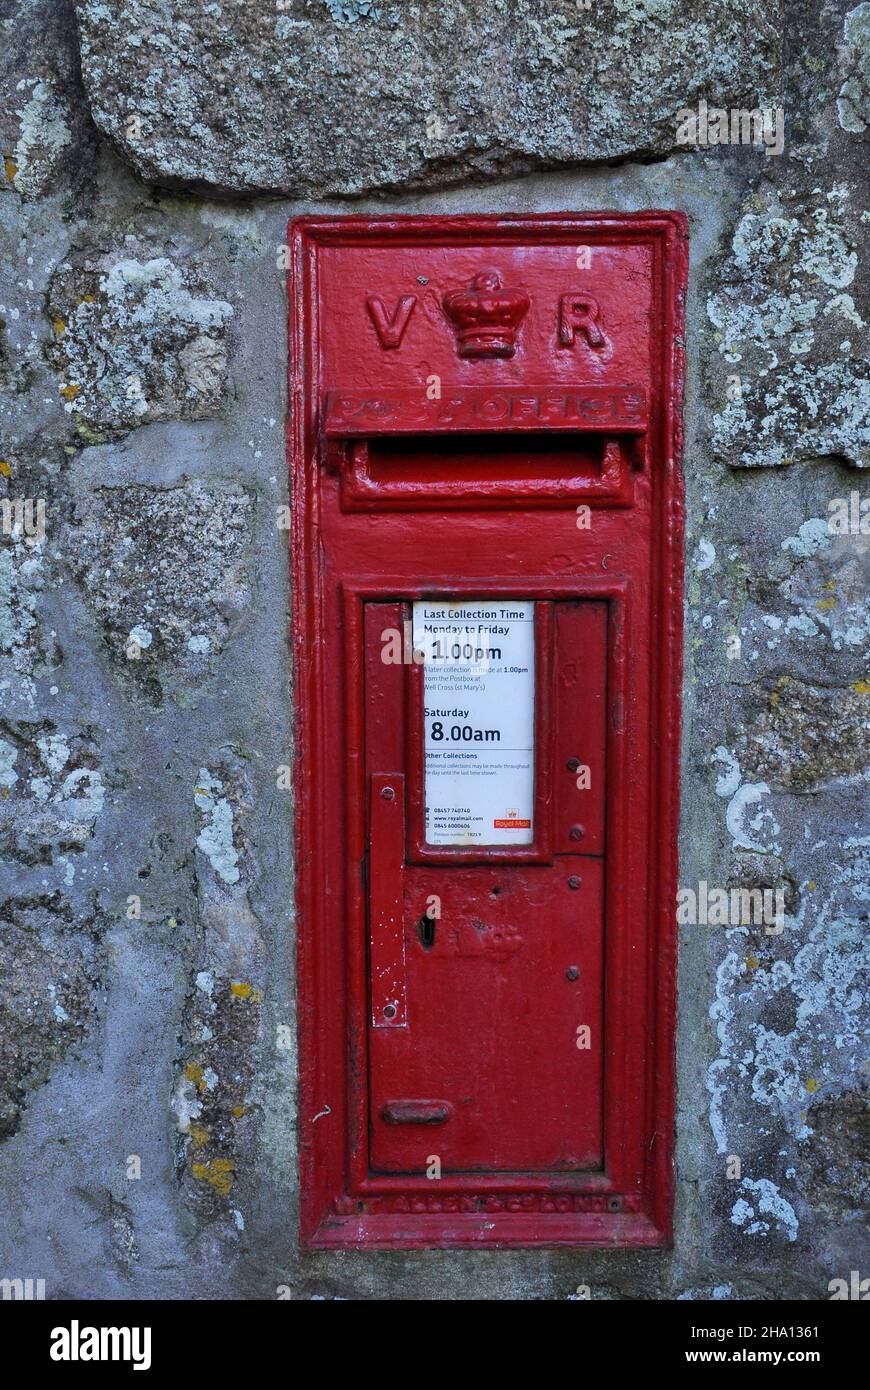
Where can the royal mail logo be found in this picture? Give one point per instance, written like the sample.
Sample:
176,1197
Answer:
512,822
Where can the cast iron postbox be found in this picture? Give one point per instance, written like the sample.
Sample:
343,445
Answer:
487,560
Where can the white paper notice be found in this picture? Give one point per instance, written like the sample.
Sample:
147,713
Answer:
479,708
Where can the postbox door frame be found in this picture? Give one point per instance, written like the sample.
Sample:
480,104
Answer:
343,1205
611,1179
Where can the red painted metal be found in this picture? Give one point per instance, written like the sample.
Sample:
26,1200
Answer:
460,387
387,971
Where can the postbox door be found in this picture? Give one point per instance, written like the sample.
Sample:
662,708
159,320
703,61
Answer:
486,977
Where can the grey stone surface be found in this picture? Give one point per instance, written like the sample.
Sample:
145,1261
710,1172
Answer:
218,1096
173,560
853,103
51,963
43,122
791,304
146,932
307,98
791,328
52,791
138,337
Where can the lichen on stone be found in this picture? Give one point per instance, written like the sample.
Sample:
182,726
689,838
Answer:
215,1098
53,792
853,103
215,838
138,337
349,11
837,1155
808,735
788,1016
27,649
44,134
789,338
43,122
51,964
347,96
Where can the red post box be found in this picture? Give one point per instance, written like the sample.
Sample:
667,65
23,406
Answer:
487,563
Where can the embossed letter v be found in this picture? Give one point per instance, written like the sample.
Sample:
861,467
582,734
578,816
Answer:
390,331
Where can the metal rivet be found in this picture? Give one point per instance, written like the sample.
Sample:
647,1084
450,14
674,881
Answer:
573,764
388,793
614,1204
574,881
576,832
389,1011
572,973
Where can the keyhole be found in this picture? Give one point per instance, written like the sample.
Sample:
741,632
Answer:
426,930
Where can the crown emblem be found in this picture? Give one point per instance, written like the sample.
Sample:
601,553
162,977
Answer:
486,316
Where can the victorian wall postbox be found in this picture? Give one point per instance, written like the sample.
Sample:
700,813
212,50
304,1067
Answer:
487,560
